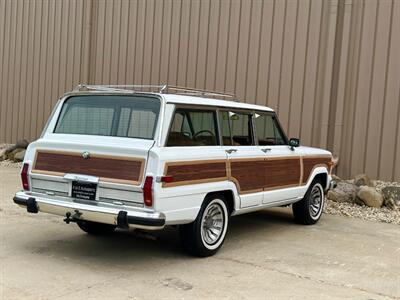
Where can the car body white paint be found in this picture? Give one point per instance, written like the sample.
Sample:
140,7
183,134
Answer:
178,205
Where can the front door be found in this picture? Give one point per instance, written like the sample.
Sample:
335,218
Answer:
244,158
282,166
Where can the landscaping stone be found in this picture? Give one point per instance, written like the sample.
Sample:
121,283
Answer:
11,155
19,156
370,196
22,144
344,192
391,197
362,179
10,148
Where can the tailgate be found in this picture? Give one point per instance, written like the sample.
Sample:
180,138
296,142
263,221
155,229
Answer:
116,168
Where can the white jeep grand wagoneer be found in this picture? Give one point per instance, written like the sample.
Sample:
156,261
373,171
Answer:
115,157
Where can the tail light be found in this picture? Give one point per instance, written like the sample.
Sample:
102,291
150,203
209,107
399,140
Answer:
148,191
24,177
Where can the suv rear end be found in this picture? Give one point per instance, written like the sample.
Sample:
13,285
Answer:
91,161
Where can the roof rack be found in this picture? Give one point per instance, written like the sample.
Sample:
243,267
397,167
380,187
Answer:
162,89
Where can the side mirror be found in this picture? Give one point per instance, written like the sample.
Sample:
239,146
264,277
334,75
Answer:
293,143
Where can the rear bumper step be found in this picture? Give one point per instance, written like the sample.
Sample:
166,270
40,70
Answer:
91,212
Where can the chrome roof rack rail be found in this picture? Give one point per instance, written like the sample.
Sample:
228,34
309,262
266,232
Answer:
162,89
198,92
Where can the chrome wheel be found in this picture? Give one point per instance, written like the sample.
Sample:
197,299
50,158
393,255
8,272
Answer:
212,224
316,201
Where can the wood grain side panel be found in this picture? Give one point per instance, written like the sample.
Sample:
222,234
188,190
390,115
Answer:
248,175
280,173
108,168
310,163
195,172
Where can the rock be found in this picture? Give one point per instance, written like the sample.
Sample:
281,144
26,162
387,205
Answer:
10,149
369,196
336,178
392,204
391,197
22,144
19,156
12,154
344,192
362,179
3,154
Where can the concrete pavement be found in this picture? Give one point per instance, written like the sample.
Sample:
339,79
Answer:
265,256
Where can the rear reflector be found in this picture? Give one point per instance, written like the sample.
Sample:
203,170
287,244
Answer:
24,177
148,191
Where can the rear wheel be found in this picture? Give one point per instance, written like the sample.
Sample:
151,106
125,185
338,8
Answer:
309,210
206,234
95,228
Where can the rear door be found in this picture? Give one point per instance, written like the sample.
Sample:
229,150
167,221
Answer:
192,156
244,157
96,149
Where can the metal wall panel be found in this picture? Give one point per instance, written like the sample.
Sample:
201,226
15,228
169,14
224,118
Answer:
331,69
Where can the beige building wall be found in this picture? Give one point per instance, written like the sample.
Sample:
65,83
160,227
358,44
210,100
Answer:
331,69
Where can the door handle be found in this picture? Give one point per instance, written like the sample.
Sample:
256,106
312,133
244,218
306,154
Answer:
230,151
265,150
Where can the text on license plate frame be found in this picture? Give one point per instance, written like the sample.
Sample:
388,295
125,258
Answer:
84,190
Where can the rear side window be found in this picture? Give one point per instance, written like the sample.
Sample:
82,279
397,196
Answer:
122,116
236,128
193,128
268,130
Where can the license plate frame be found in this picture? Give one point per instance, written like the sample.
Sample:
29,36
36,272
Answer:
83,190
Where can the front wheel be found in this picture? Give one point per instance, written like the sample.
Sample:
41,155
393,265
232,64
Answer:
205,235
309,210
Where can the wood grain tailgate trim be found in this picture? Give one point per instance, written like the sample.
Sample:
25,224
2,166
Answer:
117,169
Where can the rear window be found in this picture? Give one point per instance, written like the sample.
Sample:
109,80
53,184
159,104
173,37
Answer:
122,116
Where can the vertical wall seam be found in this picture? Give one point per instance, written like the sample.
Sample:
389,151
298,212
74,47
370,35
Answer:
188,42
179,43
248,51
207,44
259,53
356,83
161,48
144,40
197,47
293,63
119,41
305,68
317,74
281,59
20,75
371,79
217,46
227,45
237,48
270,49
385,92
397,157
337,56
152,44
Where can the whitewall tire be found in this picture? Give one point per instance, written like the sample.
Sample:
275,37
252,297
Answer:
205,236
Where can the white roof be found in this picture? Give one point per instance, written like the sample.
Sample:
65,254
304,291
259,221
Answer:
183,99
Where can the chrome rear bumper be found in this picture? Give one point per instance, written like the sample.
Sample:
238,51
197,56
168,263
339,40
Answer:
75,210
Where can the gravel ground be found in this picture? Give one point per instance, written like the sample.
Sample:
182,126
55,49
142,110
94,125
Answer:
382,214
